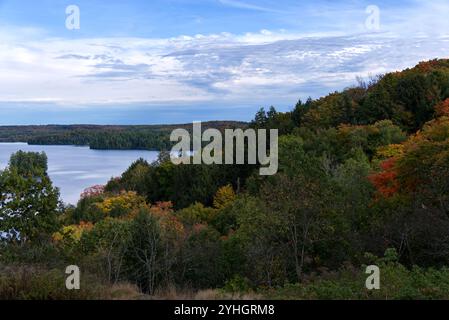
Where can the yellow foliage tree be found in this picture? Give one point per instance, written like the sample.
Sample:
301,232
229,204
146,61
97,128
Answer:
390,151
224,196
72,233
122,204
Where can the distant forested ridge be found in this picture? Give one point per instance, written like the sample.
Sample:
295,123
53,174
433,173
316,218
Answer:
138,137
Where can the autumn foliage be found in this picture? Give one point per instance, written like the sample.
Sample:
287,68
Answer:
386,181
442,108
93,191
224,196
360,172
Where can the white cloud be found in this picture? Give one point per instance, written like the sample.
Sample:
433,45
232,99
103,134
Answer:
244,5
265,67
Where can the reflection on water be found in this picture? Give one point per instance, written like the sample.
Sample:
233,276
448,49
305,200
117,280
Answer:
72,169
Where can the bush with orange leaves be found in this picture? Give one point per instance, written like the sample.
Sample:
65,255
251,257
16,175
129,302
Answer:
169,223
386,181
420,167
442,108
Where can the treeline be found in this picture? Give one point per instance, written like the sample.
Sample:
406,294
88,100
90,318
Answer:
407,98
363,179
154,137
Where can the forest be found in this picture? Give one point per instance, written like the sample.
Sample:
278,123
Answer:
100,137
363,179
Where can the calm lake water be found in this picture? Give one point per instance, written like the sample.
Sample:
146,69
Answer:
73,169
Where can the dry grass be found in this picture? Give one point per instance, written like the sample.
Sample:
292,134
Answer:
173,293
124,291
31,282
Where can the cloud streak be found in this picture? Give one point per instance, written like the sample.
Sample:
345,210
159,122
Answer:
245,5
256,68
267,67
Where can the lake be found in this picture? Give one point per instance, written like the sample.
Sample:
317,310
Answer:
73,169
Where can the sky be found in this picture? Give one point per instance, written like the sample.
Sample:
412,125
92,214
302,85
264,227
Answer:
178,61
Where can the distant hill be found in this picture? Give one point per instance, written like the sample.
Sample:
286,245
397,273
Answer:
408,98
145,137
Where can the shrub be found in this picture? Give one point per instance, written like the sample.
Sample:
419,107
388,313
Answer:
38,283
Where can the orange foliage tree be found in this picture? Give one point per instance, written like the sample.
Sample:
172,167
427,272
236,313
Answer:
442,108
386,181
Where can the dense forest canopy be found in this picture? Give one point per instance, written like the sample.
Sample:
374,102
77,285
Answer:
143,137
363,179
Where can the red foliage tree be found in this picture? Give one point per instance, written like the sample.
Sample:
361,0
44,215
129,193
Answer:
386,181
442,108
93,191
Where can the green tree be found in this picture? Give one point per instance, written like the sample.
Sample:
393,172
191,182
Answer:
108,242
28,201
29,163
